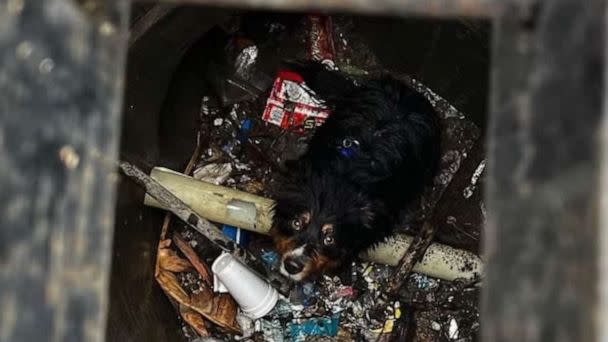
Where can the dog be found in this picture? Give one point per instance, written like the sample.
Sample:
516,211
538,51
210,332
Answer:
375,153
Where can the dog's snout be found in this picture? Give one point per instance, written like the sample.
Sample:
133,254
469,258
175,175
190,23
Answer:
293,266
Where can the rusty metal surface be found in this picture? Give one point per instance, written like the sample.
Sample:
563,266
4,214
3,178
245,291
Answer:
60,90
543,168
430,8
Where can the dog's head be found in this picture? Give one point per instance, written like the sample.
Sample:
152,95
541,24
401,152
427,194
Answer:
320,222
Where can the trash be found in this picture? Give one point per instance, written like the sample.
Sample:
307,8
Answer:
292,105
253,187
303,294
216,203
208,107
208,339
247,326
435,326
343,292
194,319
453,329
246,126
254,295
386,328
213,173
321,45
271,330
219,309
236,234
468,191
271,258
218,287
246,76
397,308
423,282
324,326
440,261
170,261
243,66
198,265
283,308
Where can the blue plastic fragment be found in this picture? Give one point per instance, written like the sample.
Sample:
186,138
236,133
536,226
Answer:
271,259
303,294
246,126
422,281
237,235
321,326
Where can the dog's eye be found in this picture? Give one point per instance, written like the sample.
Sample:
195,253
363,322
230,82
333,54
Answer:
329,240
296,224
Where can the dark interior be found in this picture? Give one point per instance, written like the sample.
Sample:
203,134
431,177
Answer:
163,87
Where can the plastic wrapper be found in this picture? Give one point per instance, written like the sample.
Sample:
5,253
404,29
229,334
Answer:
292,105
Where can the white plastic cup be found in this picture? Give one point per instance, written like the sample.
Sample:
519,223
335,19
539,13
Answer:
255,296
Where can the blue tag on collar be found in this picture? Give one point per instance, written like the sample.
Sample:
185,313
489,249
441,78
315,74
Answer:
349,147
347,152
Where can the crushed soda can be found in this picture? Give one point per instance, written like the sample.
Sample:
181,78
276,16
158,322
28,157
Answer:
321,45
293,106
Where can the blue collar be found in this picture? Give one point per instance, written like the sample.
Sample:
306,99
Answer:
349,148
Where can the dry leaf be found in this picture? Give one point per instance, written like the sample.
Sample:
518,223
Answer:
170,261
198,264
220,309
194,319
164,243
169,283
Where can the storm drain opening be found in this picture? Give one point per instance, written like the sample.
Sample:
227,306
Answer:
212,112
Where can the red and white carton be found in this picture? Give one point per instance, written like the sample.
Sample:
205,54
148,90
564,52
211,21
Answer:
292,105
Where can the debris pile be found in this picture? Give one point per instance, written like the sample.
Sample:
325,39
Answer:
250,126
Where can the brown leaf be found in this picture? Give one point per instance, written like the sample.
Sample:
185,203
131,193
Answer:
170,261
191,255
161,245
164,243
169,283
194,319
220,309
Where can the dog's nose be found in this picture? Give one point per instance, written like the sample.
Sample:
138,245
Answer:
293,266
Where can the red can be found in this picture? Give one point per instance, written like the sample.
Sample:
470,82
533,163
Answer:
321,40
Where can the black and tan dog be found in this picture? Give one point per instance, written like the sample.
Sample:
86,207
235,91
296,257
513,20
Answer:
376,152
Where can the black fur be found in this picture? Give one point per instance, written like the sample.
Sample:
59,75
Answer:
360,195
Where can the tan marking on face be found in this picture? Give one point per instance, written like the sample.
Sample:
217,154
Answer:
327,228
317,265
305,217
283,243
